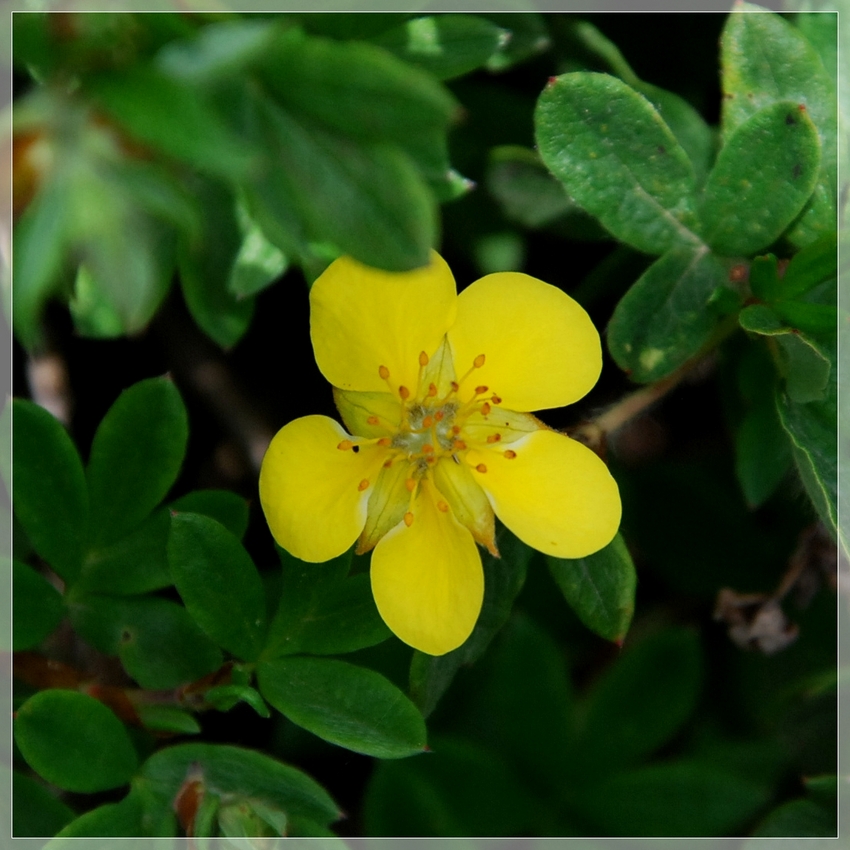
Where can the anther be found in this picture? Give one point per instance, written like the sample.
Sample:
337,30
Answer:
386,442
432,390
427,449
423,358
494,438
455,386
510,454
373,420
408,519
404,392
485,408
441,505
439,414
383,372
363,484
388,463
427,422
495,399
410,484
481,467
345,445
455,429
459,445
481,390
478,362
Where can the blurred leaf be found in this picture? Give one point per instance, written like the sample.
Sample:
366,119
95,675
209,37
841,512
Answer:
319,186
40,239
812,429
224,697
235,771
258,263
678,798
167,718
765,173
157,110
135,563
641,701
347,705
74,742
135,456
812,265
529,37
446,45
218,583
459,789
600,588
37,607
608,146
666,317
111,820
205,269
224,506
35,811
157,640
821,31
322,612
430,676
798,819
49,489
806,367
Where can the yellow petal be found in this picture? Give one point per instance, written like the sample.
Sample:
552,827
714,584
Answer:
467,501
541,349
427,578
312,493
363,318
556,495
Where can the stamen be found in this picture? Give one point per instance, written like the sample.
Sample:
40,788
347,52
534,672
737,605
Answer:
439,414
510,454
373,420
485,408
410,484
404,392
455,429
388,463
423,359
383,372
481,468
481,390
428,421
496,400
408,519
386,442
345,445
459,445
427,449
432,390
479,361
494,438
455,386
431,459
363,484
441,505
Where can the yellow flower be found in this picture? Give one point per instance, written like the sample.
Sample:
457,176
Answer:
436,387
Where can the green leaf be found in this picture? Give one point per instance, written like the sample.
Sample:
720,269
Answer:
49,488
812,429
445,45
678,798
322,612
219,583
430,676
804,364
764,174
135,456
812,265
347,705
156,109
224,697
258,263
461,788
821,31
640,702
529,37
615,155
205,269
666,317
111,820
225,506
35,811
157,640
235,771
167,718
37,607
135,563
74,742
317,186
798,819
600,588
